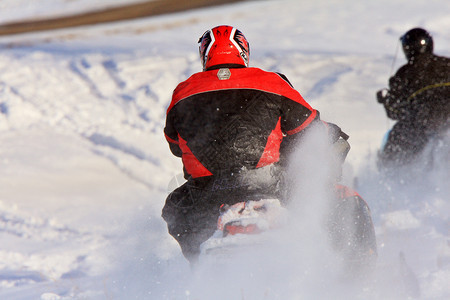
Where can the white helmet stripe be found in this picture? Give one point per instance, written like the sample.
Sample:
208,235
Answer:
211,34
241,52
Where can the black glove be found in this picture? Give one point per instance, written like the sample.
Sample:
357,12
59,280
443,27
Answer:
382,95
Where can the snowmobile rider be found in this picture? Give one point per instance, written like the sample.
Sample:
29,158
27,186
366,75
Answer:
417,98
226,122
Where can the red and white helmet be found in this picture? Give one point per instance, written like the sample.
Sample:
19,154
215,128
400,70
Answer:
223,45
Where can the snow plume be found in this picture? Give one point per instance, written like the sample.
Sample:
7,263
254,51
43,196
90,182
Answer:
411,215
146,261
295,262
314,167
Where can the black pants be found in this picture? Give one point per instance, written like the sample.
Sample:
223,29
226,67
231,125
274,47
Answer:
191,211
405,141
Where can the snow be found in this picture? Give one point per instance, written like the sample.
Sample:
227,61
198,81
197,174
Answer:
85,168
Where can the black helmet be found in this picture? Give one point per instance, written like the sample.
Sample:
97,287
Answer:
416,41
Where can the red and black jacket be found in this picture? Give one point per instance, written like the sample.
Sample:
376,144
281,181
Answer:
245,118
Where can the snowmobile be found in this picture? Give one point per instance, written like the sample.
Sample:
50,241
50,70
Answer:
417,166
249,225
345,218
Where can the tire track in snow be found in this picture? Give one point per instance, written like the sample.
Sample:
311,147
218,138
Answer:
134,94
328,80
81,69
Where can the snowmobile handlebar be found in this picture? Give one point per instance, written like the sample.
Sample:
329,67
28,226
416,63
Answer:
344,135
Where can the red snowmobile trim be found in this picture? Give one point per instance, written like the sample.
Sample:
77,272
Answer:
231,229
271,152
243,78
345,192
308,121
191,163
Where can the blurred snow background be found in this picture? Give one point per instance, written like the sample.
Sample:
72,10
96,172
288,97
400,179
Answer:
18,10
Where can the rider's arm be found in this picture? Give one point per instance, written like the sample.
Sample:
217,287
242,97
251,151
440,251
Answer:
171,135
394,100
